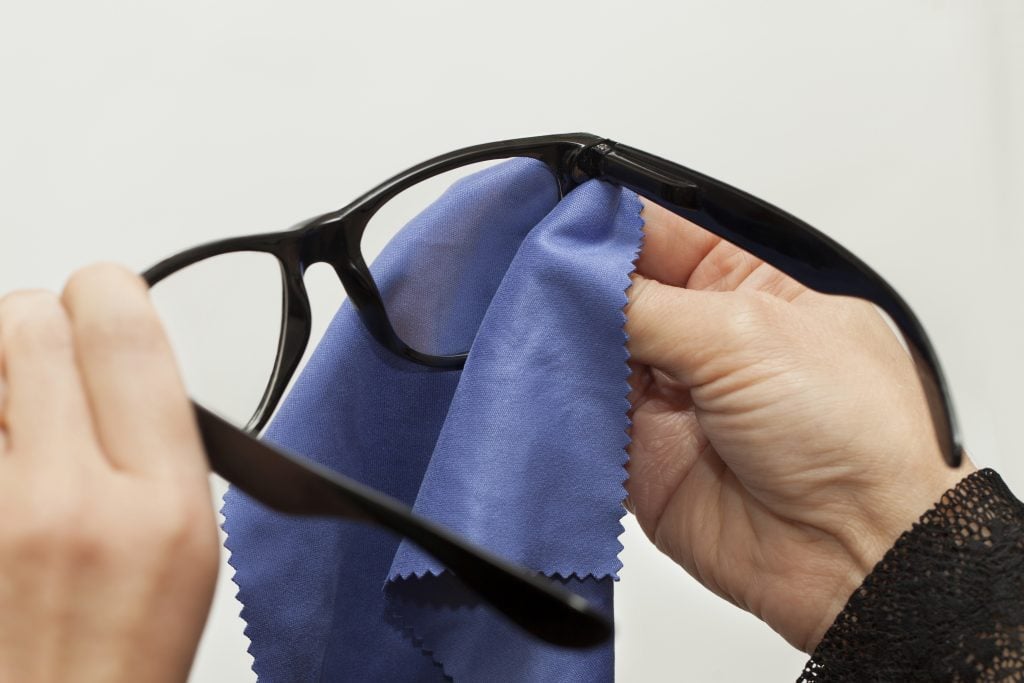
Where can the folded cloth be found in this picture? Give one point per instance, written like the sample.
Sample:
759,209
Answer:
522,451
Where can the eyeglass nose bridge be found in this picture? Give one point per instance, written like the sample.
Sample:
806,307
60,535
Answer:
334,239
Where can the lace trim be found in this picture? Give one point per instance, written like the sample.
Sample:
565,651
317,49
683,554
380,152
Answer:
946,603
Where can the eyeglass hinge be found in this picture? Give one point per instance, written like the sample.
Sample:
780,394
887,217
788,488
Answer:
608,160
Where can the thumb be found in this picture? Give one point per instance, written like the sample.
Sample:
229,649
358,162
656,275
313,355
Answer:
696,336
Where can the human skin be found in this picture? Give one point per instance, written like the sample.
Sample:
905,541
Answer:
780,445
109,548
781,441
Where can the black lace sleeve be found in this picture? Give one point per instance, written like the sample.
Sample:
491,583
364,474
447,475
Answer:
946,603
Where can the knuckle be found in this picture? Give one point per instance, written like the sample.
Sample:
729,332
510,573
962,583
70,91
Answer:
33,320
754,314
168,523
65,521
88,544
755,338
50,531
177,517
183,532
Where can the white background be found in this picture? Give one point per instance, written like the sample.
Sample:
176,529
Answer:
129,130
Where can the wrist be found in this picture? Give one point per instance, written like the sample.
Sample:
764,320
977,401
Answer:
890,511
944,602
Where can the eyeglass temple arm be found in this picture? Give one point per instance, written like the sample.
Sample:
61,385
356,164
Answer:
291,484
785,242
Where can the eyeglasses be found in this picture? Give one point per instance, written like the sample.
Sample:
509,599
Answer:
295,485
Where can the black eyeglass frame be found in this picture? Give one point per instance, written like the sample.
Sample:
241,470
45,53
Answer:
769,233
292,484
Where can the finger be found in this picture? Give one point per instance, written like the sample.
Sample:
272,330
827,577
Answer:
727,268
3,404
724,268
680,253
47,413
696,336
143,417
3,409
673,247
638,380
766,278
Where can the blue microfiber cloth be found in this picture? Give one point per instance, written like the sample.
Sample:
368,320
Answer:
522,451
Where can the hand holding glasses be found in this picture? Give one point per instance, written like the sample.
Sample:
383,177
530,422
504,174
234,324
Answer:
295,485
